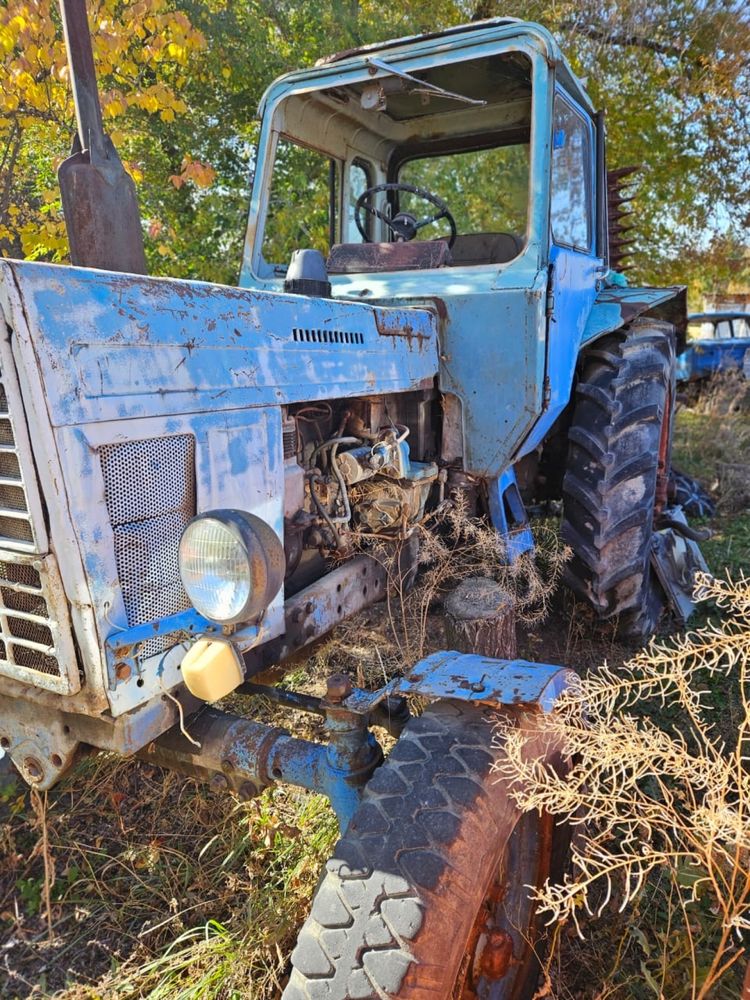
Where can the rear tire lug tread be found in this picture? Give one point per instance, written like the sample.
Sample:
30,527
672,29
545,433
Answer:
626,381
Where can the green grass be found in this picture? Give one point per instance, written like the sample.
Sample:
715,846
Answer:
703,442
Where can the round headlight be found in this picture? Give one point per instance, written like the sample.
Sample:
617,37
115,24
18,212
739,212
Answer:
231,564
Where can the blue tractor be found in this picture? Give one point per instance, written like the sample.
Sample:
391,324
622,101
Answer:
194,477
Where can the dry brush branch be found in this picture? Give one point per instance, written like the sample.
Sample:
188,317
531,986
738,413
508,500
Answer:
648,793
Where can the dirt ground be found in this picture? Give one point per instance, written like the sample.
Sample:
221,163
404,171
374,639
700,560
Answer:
127,881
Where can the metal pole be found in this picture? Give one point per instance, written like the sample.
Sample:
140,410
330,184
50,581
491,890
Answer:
83,75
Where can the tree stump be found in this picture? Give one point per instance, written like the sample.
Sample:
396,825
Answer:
481,619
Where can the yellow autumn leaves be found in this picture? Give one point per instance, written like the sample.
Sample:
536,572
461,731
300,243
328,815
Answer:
143,52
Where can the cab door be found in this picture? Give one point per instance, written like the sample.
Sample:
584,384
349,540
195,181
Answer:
576,268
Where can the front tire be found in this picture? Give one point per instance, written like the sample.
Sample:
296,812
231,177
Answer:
619,448
425,895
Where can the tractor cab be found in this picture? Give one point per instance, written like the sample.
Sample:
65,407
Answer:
463,171
426,154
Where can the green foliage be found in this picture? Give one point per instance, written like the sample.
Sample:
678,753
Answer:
298,213
673,77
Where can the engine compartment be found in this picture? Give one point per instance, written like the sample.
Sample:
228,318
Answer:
357,471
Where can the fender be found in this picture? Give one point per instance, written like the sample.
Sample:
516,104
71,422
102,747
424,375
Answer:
617,306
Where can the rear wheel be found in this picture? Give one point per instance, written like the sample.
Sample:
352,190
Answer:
615,485
425,895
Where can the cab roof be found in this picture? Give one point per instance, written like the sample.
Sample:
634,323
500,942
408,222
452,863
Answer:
463,36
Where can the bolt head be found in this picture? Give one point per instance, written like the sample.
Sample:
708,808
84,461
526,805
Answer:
338,687
219,783
123,671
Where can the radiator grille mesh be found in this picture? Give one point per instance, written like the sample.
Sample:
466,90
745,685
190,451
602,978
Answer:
15,523
150,495
27,639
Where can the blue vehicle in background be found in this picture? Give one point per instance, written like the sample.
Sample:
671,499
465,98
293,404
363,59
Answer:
716,342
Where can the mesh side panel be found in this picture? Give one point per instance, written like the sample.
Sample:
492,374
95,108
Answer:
19,573
9,467
144,479
12,497
32,604
146,555
20,628
150,497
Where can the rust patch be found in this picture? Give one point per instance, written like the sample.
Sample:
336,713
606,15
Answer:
497,955
396,324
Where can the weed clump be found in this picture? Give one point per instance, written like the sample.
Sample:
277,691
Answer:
453,546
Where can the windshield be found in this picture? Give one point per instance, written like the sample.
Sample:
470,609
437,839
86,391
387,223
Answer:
486,190
718,328
459,131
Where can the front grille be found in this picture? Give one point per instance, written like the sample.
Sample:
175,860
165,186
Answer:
25,621
149,489
15,520
36,644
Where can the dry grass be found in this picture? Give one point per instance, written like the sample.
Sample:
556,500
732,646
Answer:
455,546
162,888
712,438
655,796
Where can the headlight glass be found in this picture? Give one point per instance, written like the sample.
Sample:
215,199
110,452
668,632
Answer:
215,568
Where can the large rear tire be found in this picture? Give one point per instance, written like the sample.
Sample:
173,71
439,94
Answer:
619,448
425,895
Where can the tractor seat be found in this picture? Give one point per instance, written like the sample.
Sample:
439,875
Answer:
361,258
469,249
485,248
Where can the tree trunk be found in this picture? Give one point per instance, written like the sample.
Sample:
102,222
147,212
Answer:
481,619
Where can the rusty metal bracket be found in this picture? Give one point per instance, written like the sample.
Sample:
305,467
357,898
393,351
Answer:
314,611
676,558
122,647
473,678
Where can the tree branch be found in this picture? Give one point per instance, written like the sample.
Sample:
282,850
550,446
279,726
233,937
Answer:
623,39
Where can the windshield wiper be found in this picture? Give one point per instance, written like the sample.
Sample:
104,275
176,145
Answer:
421,85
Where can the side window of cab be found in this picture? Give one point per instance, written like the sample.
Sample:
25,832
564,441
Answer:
572,184
301,203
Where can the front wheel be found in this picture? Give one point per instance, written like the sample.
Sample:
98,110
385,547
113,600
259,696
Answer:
426,894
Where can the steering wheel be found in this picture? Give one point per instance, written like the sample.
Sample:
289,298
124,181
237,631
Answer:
403,225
